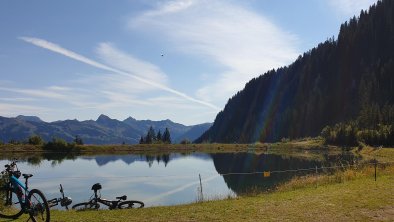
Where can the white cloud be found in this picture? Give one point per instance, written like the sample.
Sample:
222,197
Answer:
107,52
246,43
41,93
349,8
128,63
65,95
12,110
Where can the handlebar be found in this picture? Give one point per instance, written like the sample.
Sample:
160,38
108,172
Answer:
64,201
10,168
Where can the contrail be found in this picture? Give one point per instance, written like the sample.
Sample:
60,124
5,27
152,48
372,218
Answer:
58,49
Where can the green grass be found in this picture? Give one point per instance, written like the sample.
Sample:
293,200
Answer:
358,199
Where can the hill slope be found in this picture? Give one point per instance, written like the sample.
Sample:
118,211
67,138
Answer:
334,82
102,131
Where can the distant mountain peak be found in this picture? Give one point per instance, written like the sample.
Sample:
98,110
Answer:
129,119
102,118
29,118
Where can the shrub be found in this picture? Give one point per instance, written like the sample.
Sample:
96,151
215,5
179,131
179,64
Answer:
58,145
186,141
35,140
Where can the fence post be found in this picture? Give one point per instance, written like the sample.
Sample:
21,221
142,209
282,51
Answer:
202,197
375,167
316,174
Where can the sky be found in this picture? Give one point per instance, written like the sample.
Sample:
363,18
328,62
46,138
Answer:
179,60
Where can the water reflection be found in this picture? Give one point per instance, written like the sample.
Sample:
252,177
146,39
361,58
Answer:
164,179
243,163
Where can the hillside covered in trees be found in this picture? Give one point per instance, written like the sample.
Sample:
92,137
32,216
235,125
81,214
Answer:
348,81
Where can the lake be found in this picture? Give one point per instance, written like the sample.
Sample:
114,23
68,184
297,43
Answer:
166,179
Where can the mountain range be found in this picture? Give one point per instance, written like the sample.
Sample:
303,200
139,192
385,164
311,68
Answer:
104,130
350,78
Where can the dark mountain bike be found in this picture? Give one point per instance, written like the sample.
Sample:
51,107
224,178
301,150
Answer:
95,200
16,198
64,201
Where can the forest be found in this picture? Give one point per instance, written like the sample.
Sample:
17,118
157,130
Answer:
343,89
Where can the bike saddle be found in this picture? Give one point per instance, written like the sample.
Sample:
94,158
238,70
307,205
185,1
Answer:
96,186
27,175
124,197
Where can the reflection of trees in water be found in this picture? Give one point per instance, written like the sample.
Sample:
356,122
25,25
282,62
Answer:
35,159
151,158
246,162
101,160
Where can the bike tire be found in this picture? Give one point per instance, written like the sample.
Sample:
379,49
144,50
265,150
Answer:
10,206
129,204
86,206
39,209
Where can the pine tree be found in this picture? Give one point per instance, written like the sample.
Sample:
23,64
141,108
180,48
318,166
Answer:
158,137
167,136
78,140
150,136
142,140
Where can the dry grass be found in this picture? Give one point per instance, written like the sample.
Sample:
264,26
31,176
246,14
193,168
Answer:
339,176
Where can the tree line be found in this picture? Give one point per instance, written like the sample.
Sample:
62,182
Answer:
374,126
151,137
344,79
56,144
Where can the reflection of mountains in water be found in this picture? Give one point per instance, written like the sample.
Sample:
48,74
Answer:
246,162
150,159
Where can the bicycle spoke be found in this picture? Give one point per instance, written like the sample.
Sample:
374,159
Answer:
39,209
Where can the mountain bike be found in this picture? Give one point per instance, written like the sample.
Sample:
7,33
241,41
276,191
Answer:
16,198
64,201
95,200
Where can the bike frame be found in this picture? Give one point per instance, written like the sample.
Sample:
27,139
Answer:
15,184
111,204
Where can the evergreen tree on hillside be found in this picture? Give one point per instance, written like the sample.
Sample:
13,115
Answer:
167,136
142,140
158,136
339,81
150,136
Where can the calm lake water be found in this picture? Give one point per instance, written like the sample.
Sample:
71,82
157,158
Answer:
165,179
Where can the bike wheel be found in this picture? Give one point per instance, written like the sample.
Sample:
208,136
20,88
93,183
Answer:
10,206
86,206
128,204
38,209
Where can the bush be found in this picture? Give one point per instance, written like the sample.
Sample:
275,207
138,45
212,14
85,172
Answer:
58,145
186,141
78,140
14,142
350,134
35,140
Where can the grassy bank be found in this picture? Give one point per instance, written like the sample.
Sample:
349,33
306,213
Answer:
281,147
357,198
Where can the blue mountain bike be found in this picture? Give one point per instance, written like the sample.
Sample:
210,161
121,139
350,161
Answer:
16,199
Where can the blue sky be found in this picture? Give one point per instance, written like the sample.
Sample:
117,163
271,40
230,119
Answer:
180,60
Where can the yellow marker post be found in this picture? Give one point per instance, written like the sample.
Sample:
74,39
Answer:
267,173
